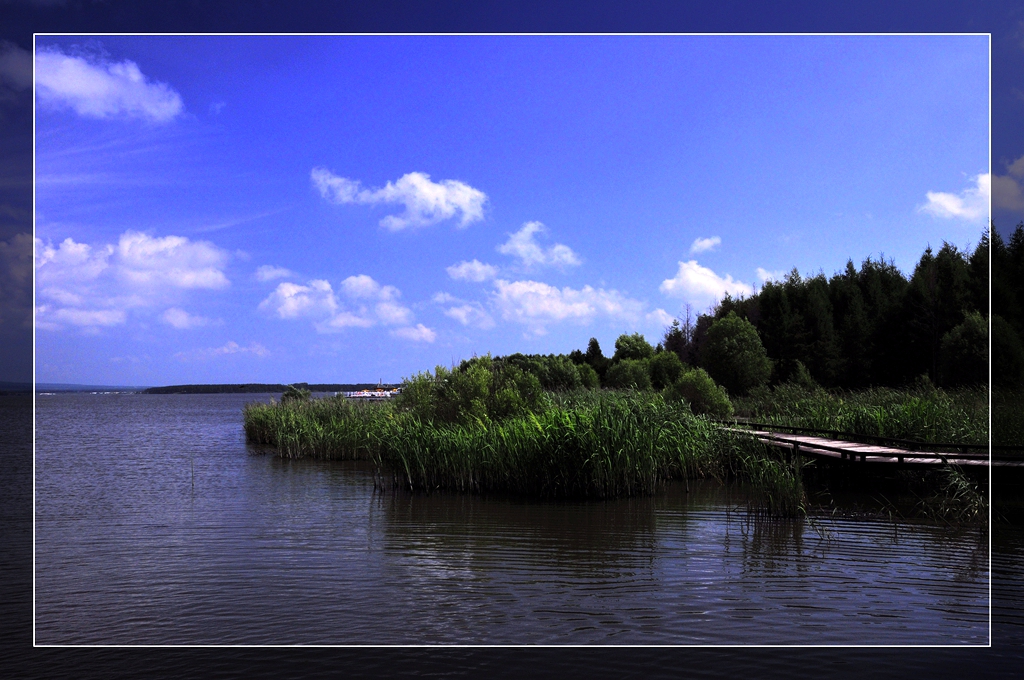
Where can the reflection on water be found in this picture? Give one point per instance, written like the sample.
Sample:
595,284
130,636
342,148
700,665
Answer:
134,548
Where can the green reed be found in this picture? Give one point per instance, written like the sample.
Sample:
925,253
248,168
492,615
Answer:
922,413
584,445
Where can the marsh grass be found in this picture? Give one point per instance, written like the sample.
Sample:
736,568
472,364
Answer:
586,444
957,499
922,413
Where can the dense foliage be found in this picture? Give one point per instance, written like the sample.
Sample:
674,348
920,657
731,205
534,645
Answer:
874,326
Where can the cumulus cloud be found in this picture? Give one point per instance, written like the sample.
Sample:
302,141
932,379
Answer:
1007,192
970,204
368,303
84,285
701,245
474,270
171,261
97,88
523,246
537,304
294,301
228,349
269,273
700,284
425,202
417,333
182,320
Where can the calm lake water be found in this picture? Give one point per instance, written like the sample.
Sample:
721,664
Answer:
157,524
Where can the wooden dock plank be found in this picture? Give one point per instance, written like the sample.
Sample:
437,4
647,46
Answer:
838,449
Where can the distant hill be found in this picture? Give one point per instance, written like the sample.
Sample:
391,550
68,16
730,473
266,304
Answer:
259,388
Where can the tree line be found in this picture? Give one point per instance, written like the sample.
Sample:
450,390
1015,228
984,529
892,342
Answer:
864,327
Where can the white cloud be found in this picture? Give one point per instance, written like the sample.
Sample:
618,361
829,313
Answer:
764,275
363,286
471,314
425,202
84,285
101,89
702,285
538,304
660,317
970,204
182,320
1007,192
269,273
371,303
172,261
293,301
523,246
86,317
474,270
417,333
228,349
701,245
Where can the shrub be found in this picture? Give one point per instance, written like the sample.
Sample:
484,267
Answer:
964,353
480,389
588,377
665,369
629,374
734,356
633,346
700,391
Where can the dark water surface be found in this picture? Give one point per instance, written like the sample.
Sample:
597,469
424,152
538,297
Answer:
132,548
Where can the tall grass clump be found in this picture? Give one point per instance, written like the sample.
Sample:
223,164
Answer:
331,428
618,444
1007,417
922,412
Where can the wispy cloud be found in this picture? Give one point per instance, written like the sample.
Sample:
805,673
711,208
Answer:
182,320
702,285
702,245
474,270
231,348
417,333
425,202
764,275
466,312
98,88
84,285
270,273
522,245
970,204
660,317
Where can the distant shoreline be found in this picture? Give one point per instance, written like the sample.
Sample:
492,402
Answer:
238,388
251,388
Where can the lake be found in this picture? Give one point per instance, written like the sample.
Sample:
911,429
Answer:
157,524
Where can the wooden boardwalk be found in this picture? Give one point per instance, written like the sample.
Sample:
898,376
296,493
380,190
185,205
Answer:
855,452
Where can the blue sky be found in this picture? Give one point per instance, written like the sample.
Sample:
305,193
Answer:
348,209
